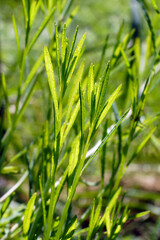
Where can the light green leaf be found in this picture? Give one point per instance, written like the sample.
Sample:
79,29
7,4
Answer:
71,16
6,98
156,141
108,105
139,148
58,53
70,229
64,43
97,212
5,205
55,198
102,88
114,199
104,141
51,79
32,73
71,49
91,221
41,28
16,33
74,90
94,219
138,215
33,10
43,201
90,85
10,170
108,223
73,159
148,50
82,108
28,214
25,11
128,65
110,206
46,134
102,57
155,6
27,96
147,17
71,122
76,57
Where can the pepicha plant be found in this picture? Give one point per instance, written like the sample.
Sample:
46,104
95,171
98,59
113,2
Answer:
80,112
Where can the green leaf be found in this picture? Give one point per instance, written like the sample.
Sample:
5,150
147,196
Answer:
76,57
148,50
114,199
71,49
16,33
138,215
103,153
10,170
43,201
137,57
41,28
104,141
110,206
118,36
90,85
66,8
71,16
108,223
25,11
94,219
102,57
73,91
155,141
46,135
97,212
147,17
5,205
155,6
6,98
57,53
71,122
64,43
73,159
91,221
27,96
143,95
28,214
108,105
51,79
78,233
128,65
33,10
53,201
70,229
139,148
82,110
116,50
32,73
102,88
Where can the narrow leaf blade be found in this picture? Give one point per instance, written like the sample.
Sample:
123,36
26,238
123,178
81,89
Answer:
28,214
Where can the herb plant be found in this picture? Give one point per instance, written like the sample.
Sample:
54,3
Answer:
82,120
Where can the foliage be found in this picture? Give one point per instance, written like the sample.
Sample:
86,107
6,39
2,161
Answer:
81,120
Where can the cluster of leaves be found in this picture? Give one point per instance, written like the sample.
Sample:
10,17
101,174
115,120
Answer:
79,104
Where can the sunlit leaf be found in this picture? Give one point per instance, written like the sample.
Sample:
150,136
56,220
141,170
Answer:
28,214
